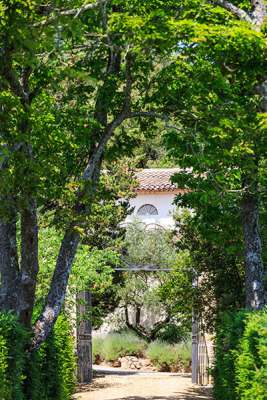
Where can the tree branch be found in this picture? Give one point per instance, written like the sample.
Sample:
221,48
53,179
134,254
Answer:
16,87
153,114
72,12
259,12
58,287
236,11
137,329
71,238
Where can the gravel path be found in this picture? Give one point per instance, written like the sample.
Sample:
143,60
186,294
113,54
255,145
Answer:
129,385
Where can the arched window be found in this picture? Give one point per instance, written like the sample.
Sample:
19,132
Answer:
147,209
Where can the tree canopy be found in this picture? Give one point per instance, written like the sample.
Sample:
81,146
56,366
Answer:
83,85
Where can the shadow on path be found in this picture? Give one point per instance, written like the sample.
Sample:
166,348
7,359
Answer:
158,388
101,372
196,394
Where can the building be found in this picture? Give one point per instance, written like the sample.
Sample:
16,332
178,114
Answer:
155,194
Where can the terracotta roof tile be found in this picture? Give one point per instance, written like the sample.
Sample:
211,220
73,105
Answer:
156,179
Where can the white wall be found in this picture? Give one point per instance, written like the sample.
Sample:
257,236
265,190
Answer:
162,201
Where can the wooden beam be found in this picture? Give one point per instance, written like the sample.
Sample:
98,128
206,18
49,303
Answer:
143,269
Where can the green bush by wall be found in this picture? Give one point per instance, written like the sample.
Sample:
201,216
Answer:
13,340
240,371
230,327
53,367
48,374
251,359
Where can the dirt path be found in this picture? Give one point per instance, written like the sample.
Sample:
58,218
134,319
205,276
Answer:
130,385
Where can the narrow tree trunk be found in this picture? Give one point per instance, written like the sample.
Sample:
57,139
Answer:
57,292
255,294
8,266
29,262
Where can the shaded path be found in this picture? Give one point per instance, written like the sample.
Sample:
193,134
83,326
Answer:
130,385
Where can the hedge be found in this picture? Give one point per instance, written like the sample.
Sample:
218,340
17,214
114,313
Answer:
13,340
240,371
48,374
251,359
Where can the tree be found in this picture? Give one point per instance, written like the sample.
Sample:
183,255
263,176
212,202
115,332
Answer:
215,91
151,309
70,78
214,241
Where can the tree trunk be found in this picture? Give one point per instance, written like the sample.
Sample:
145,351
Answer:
8,266
57,292
29,262
255,293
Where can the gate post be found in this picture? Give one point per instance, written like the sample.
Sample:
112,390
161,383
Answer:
195,333
84,338
195,358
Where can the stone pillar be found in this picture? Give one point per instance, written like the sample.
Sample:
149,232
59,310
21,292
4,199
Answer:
84,338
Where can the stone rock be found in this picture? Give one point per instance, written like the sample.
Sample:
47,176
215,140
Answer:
98,359
116,364
145,362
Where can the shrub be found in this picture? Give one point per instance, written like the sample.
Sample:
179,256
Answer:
3,368
251,360
48,374
230,328
241,357
168,357
173,333
164,356
98,343
53,367
116,345
13,341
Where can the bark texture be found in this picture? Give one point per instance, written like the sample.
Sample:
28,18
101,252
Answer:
29,262
255,294
58,288
148,334
256,17
8,266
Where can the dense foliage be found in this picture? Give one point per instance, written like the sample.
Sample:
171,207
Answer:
48,374
241,363
216,260
13,360
93,270
72,82
82,85
251,362
212,91
230,328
